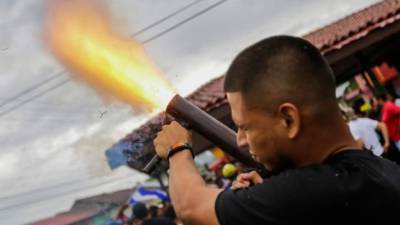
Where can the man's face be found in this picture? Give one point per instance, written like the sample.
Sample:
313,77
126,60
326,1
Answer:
257,130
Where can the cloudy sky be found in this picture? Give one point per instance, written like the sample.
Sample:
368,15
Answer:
51,134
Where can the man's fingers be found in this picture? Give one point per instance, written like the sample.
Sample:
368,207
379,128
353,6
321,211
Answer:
251,176
241,177
170,135
255,177
238,185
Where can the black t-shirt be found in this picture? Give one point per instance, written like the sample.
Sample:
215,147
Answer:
351,187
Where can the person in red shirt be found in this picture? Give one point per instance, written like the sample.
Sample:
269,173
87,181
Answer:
390,115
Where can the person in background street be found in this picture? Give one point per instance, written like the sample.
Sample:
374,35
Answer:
121,218
153,210
139,214
390,115
364,129
158,221
170,213
229,172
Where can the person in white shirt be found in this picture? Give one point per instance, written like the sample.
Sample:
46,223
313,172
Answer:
364,130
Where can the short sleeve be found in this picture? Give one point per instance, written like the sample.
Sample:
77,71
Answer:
373,123
239,207
290,198
353,131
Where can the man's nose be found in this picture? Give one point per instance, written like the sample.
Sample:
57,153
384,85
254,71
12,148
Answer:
241,139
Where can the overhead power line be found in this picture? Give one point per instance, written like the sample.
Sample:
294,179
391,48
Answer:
63,193
60,73
3,113
59,84
183,22
30,89
165,18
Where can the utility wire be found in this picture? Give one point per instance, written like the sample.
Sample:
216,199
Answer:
30,89
183,21
59,74
73,190
59,84
165,18
136,33
46,188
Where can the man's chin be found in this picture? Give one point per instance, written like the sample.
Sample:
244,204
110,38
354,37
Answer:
274,168
278,168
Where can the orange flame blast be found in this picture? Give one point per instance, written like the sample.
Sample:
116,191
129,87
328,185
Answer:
79,33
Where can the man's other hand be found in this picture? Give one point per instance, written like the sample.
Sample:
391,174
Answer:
244,180
170,135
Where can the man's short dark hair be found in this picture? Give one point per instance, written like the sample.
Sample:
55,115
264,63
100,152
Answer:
278,69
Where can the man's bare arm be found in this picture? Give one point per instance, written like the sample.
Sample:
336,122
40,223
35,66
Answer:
194,202
383,128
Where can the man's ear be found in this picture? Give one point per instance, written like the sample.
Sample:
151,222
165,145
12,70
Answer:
290,119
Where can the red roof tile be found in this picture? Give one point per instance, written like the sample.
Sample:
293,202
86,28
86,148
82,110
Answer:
355,26
98,201
67,218
207,97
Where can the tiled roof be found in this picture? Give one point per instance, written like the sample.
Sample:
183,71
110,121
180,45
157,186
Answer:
115,198
331,37
68,218
355,26
207,97
88,207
